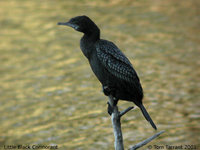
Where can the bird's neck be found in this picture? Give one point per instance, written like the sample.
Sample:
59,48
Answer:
88,42
93,34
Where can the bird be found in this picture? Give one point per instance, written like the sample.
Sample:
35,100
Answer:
110,65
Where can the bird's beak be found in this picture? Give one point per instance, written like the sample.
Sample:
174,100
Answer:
64,23
68,24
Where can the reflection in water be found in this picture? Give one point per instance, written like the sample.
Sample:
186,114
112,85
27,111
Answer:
50,96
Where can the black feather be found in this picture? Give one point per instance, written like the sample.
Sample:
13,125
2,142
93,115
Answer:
109,64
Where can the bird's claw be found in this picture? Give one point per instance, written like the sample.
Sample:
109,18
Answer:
110,109
106,90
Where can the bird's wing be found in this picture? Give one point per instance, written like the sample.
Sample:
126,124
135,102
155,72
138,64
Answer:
115,61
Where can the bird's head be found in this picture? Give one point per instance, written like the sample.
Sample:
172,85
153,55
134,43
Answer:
81,23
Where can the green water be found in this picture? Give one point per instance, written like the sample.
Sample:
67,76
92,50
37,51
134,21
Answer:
49,95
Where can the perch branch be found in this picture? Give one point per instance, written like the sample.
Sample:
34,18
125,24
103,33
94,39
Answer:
138,145
125,111
115,118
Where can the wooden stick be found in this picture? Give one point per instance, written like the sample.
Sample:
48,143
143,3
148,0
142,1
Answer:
115,118
138,145
125,111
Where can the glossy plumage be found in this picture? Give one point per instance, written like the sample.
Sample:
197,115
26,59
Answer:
109,64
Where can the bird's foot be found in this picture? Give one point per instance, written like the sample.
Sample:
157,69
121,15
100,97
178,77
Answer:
106,90
115,101
110,108
109,90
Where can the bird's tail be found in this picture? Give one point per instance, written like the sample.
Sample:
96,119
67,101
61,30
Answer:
147,117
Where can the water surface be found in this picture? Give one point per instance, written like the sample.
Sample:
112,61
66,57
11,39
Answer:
49,95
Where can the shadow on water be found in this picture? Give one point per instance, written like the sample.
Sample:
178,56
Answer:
50,96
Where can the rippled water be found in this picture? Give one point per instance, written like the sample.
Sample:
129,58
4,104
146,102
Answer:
49,95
